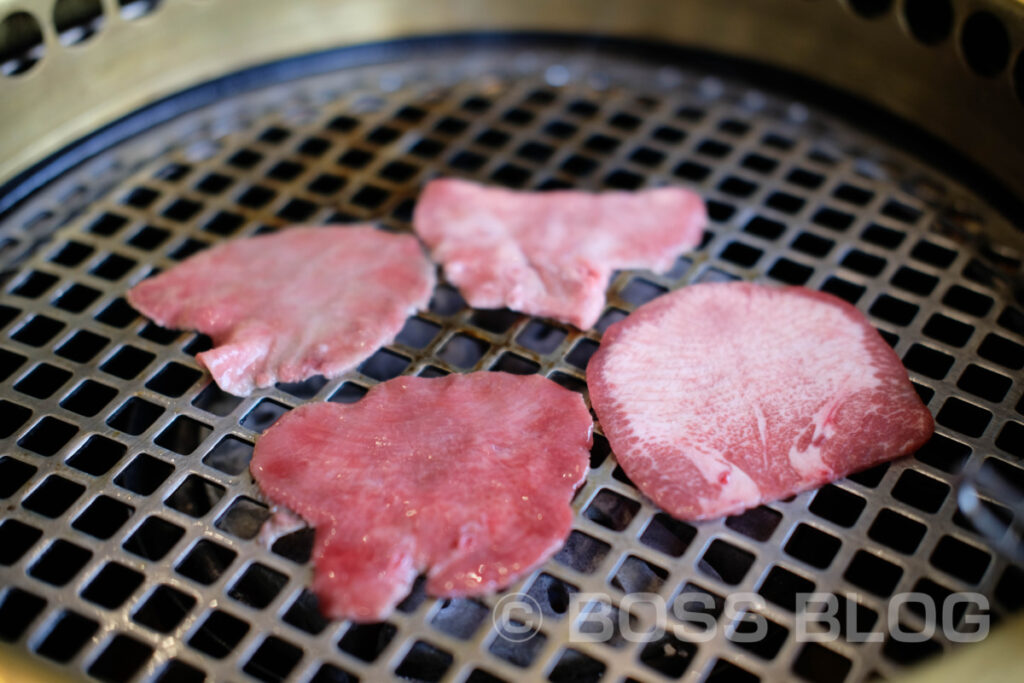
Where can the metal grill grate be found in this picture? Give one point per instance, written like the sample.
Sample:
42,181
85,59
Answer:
130,542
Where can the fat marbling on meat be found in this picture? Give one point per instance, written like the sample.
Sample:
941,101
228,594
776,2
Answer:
718,397
466,477
552,253
286,306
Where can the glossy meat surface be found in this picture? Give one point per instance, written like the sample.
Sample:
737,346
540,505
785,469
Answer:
286,306
467,478
552,253
719,397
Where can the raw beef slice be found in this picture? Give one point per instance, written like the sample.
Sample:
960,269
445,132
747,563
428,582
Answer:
552,253
290,305
466,477
719,397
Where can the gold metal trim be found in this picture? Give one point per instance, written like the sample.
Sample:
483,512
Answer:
129,63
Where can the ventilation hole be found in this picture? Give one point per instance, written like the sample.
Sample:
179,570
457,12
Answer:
985,43
48,436
135,416
1009,589
219,634
806,179
611,510
18,610
668,134
763,227
694,601
367,641
153,539
640,291
582,552
638,576
782,587
76,298
893,310
37,331
424,662
897,531
646,156
164,609
1001,350
692,171
933,254
968,301
15,540
928,362
966,418
36,284
67,636
578,165
516,643
623,180
450,125
173,380
759,635
113,585
243,518
818,664
581,353
757,523
921,491
206,562
216,401
21,43
812,244
296,546
873,574
273,661
759,163
741,254
328,673
714,149
43,381
668,655
258,586
306,389
264,414
183,435
837,505
609,318
725,562
814,547
53,496
784,202
103,517
60,562
349,392
9,362
13,417
13,475
961,560
981,382
195,496
427,148
569,382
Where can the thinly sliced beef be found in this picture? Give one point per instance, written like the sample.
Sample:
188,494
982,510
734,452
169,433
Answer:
719,397
287,306
552,253
466,477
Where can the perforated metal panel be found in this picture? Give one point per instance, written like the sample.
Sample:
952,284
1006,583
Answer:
129,543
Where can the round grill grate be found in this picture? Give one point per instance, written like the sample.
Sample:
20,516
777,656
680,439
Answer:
129,543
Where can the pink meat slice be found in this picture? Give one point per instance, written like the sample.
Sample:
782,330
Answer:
719,397
286,306
552,253
466,477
